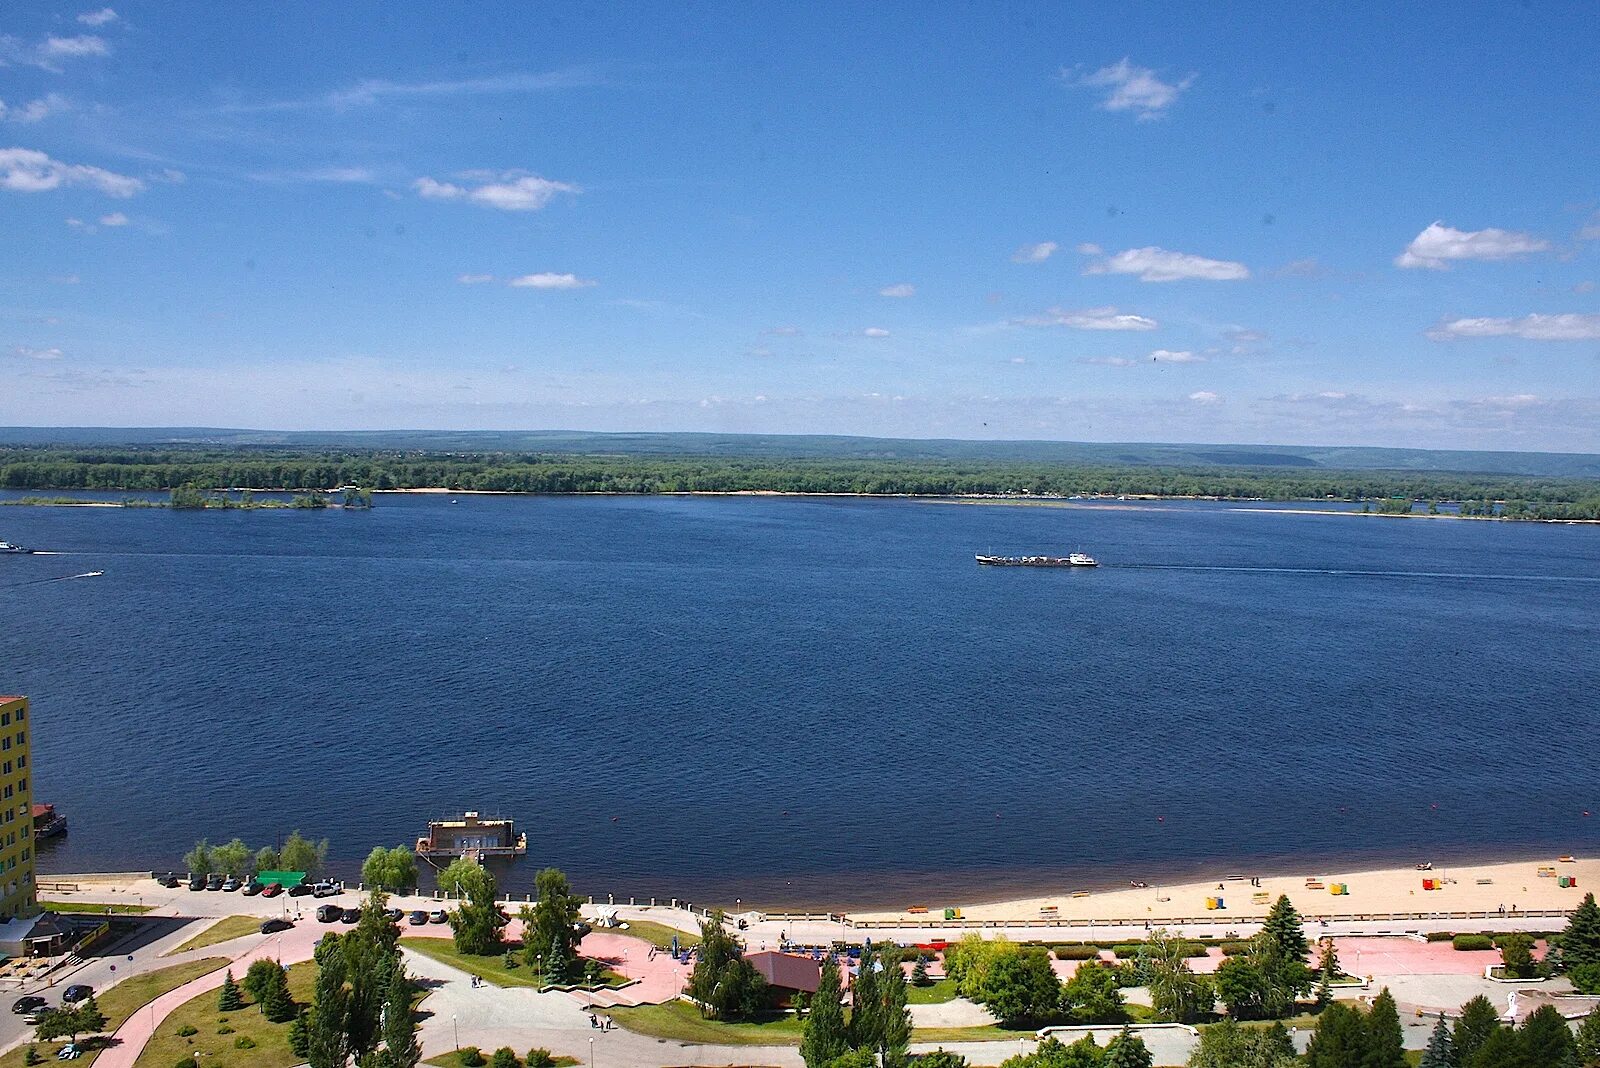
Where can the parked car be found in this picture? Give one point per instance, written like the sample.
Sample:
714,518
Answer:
197,882
36,1017
272,890
27,1003
276,924
393,915
329,913
75,993
327,888
350,916
438,916
418,918
214,881
69,1052
169,880
252,888
229,885
300,889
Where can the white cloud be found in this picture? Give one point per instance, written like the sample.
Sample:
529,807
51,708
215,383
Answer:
1585,286
1034,253
783,331
474,279
507,190
1244,336
1536,327
1590,232
116,218
1131,88
27,353
551,280
1089,248
36,110
1154,264
874,331
1106,318
1108,361
901,289
1205,396
27,170
74,47
1168,356
98,18
1019,359
1436,246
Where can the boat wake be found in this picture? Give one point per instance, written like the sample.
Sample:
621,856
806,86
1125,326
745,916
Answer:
1341,572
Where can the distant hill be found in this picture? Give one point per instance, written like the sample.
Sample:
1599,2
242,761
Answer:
1326,457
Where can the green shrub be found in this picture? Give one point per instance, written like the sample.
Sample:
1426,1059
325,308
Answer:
1081,952
1195,949
1235,949
225,1030
1127,950
184,1062
1439,936
32,1056
470,1057
244,1042
1472,941
503,1058
188,1029
539,1057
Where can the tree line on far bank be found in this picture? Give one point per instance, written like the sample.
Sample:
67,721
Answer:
169,469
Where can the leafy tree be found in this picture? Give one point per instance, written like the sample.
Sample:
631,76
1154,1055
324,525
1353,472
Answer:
1385,1041
1546,1039
723,983
1176,993
824,1034
300,854
327,1045
88,1018
234,858
1588,1041
1516,955
390,869
476,920
1093,994
258,975
967,963
1478,1020
266,859
198,860
1241,987
1127,1050
1052,1054
549,928
895,1042
1340,1040
941,1058
186,497
855,1058
1228,1045
1022,989
1441,1051
1501,1049
228,998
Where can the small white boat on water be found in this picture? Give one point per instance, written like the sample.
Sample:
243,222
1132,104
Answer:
1070,560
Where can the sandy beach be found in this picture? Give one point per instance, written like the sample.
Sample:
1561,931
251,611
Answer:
1474,891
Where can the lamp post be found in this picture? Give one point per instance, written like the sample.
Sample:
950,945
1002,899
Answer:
591,1053
454,1030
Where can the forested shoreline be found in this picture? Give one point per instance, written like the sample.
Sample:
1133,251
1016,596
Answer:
147,469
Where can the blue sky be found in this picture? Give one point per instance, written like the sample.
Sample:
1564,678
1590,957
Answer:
1143,222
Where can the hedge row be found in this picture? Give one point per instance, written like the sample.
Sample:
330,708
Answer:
1129,950
1235,949
1472,941
1078,952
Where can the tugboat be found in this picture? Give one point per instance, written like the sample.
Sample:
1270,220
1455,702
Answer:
1070,560
47,823
7,547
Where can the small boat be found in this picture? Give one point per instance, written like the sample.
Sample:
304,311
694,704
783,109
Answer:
7,547
1070,560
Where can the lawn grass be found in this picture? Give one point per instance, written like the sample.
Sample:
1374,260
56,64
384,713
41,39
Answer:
224,930
489,969
166,1047
123,1000
681,1021
934,994
657,934
91,908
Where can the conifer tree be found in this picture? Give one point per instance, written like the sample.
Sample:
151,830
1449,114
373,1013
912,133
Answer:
866,1002
894,1043
399,1033
1441,1051
1478,1020
1501,1049
825,1034
1385,1041
229,999
1340,1040
1127,1050
1580,942
300,1036
1589,1039
1546,1039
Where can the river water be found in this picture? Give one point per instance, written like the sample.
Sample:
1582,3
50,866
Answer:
787,700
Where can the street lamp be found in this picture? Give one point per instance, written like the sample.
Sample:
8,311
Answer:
591,1053
454,1030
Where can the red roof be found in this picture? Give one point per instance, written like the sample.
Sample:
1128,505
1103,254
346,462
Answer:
787,970
42,810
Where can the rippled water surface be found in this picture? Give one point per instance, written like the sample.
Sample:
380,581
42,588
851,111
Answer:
811,699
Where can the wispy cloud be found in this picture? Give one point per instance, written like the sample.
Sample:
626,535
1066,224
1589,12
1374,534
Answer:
27,170
375,91
35,110
1205,396
505,190
1591,229
102,17
28,353
1536,327
551,280
1108,361
1152,264
1089,248
783,331
1034,253
338,175
48,53
114,219
1439,244
474,279
1131,88
902,289
1106,318
1169,356
874,331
